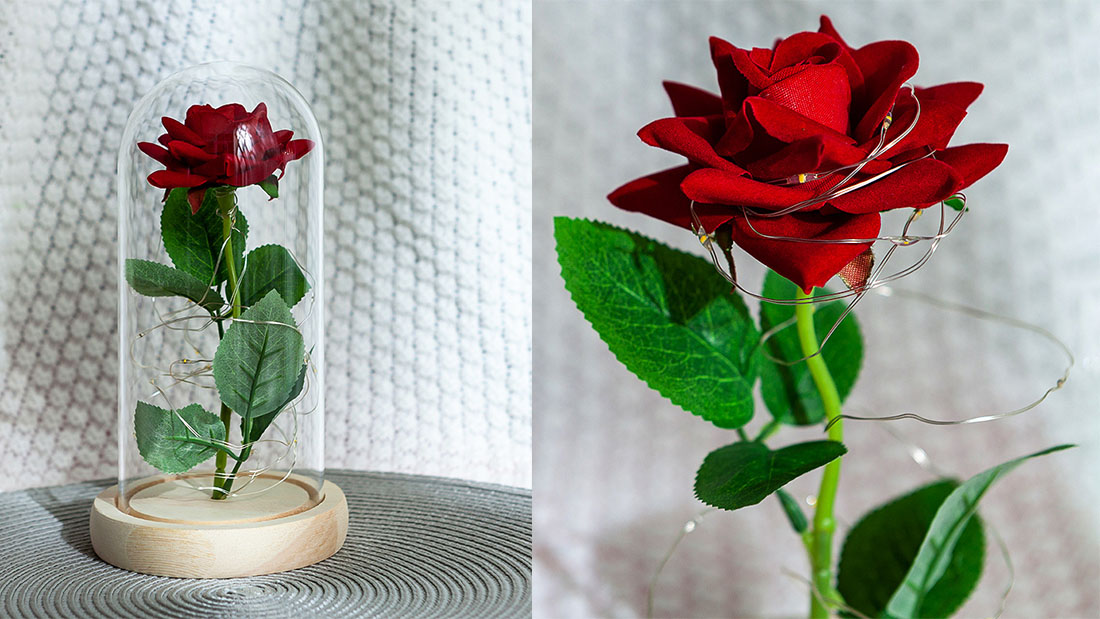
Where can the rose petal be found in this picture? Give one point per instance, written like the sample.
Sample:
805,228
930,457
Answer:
658,195
690,137
167,179
711,186
232,111
758,78
961,94
819,92
885,65
937,123
195,197
189,153
691,101
282,137
179,131
805,264
731,82
207,122
796,158
914,185
827,28
973,161
215,168
296,149
242,172
759,117
161,155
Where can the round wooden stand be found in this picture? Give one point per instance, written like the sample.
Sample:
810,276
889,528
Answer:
167,528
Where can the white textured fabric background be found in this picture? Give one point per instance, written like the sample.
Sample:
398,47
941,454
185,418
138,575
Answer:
614,462
426,115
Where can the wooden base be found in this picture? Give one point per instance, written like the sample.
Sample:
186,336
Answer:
167,530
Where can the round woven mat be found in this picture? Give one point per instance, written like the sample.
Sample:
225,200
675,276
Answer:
416,547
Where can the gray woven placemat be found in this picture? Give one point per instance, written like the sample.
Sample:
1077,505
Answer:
417,547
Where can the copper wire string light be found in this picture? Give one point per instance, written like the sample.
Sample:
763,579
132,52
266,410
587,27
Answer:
919,456
198,372
878,282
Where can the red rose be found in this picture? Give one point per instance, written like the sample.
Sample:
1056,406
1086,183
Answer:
220,146
811,104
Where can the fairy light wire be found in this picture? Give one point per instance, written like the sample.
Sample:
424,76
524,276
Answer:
180,372
922,459
878,283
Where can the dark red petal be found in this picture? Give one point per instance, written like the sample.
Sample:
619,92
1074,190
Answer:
164,139
212,169
242,173
167,179
819,92
658,195
801,46
296,149
827,28
796,158
761,117
961,94
189,153
195,111
713,186
914,185
756,77
160,154
691,101
208,123
733,85
805,264
886,65
179,131
973,161
282,137
195,197
232,111
690,137
937,123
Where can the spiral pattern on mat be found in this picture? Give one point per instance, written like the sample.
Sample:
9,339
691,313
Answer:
416,547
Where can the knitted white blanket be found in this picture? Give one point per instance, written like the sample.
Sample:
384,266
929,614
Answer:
425,110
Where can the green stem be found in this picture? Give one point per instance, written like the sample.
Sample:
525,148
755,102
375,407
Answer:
821,538
226,204
769,429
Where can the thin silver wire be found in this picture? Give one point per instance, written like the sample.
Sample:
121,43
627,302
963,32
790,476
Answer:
981,315
915,453
181,319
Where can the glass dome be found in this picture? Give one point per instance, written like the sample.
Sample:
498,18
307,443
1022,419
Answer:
221,298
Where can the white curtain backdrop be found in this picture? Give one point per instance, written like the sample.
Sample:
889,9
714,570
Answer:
426,115
615,462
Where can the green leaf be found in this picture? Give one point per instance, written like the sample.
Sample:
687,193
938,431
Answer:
194,242
163,437
271,267
789,391
956,202
260,424
745,473
881,547
793,511
153,279
936,550
665,314
270,185
257,362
